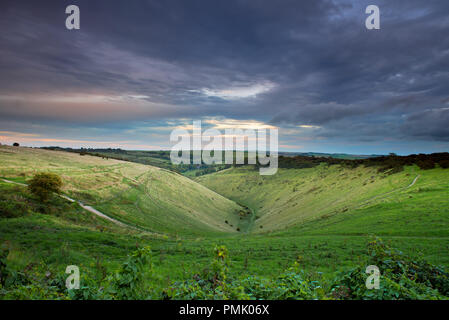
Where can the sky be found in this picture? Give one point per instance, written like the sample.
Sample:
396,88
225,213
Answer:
137,70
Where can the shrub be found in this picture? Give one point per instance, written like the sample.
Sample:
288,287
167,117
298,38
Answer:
13,204
212,283
129,282
292,284
44,184
401,277
3,269
426,164
12,209
444,164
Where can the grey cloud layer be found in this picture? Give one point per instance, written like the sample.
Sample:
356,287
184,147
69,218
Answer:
328,70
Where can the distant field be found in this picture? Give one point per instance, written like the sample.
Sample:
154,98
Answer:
160,159
332,155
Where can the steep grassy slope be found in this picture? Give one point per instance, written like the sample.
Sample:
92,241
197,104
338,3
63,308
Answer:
146,196
420,210
323,216
294,197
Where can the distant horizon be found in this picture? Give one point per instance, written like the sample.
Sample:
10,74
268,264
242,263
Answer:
280,151
357,150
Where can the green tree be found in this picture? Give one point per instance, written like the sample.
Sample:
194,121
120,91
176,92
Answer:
44,184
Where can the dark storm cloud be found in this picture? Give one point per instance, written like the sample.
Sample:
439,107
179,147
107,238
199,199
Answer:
428,124
307,62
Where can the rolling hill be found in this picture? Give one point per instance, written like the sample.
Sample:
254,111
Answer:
319,217
152,198
335,195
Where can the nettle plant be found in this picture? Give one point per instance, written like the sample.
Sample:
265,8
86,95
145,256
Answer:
213,282
129,282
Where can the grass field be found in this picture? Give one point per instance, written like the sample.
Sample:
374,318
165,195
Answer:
295,196
320,217
149,197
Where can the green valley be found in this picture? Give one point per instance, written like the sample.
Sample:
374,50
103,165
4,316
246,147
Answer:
319,219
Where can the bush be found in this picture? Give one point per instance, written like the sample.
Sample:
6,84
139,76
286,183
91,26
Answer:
3,269
426,164
44,184
12,209
13,204
292,284
129,282
401,278
444,164
212,283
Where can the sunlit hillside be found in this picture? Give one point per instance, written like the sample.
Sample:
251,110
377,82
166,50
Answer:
140,195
